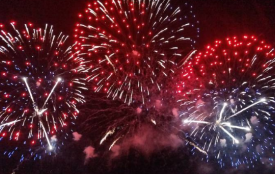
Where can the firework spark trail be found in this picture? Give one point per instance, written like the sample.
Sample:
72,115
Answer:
198,148
33,64
260,101
237,72
114,143
25,80
108,118
134,46
220,124
112,121
107,134
123,123
46,135
38,111
10,123
58,80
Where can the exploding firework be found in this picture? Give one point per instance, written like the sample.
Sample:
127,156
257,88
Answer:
113,123
229,104
134,46
41,83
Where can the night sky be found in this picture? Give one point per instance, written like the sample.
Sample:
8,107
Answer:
218,19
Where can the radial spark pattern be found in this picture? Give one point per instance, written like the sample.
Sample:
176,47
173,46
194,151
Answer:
134,45
40,85
229,104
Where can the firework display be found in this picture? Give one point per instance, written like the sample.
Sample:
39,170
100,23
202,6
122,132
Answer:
41,83
228,107
133,46
132,89
110,120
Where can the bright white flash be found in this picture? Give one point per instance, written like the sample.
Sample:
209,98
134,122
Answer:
39,112
222,123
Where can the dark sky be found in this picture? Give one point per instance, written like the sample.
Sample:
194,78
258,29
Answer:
218,19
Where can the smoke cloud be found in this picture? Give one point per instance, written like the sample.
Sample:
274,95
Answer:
76,136
90,153
147,140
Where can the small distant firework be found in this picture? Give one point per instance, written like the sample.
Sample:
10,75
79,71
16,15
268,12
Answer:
40,85
134,45
113,122
228,100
